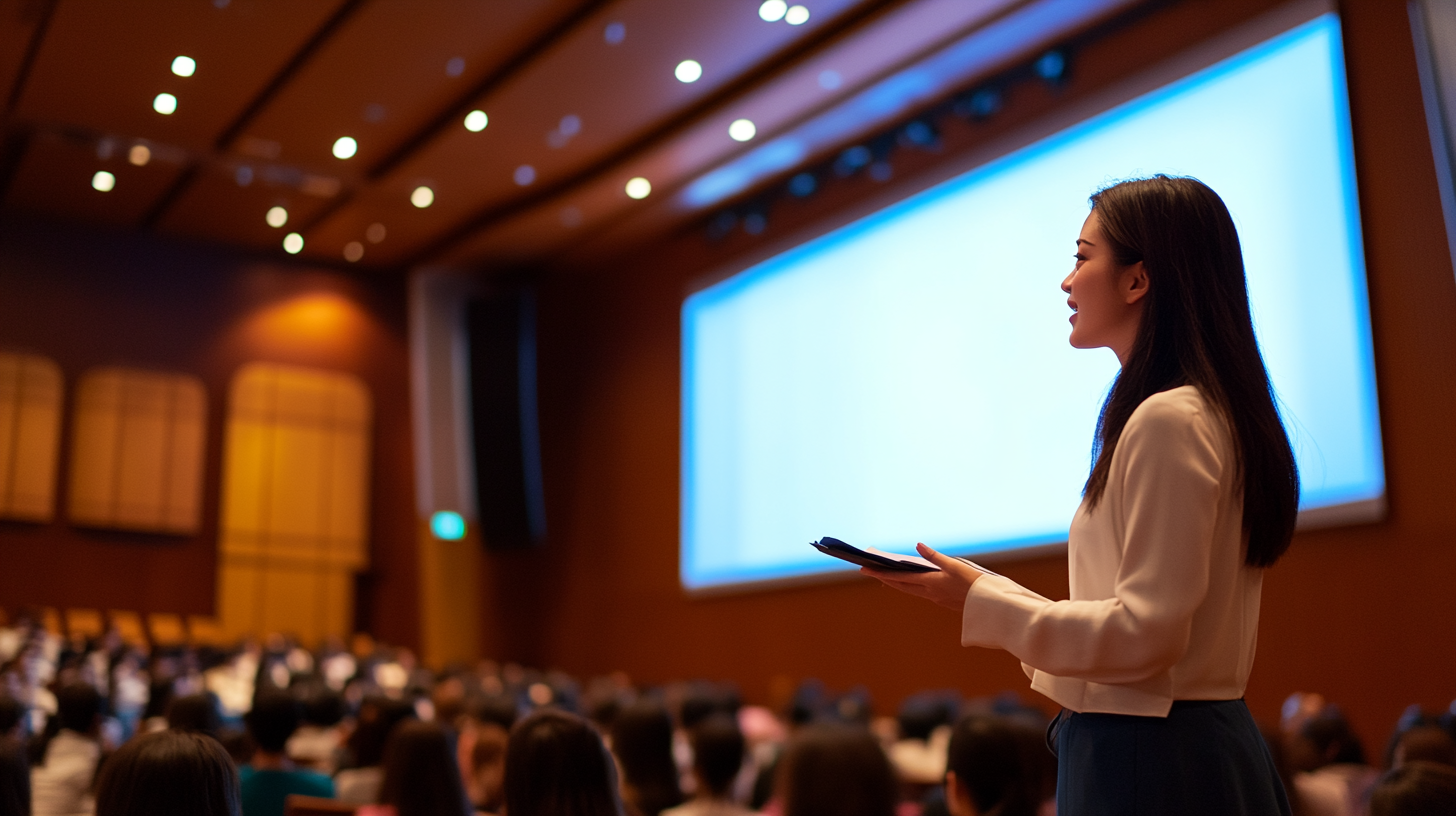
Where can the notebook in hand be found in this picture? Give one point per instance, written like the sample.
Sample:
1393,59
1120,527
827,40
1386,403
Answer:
874,559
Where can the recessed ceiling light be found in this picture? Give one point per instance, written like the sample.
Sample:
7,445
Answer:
293,243
184,66
476,120
103,181
742,130
773,10
455,67
353,251
139,155
796,15
615,33
375,233
524,175
276,217
164,104
422,197
345,147
688,71
639,188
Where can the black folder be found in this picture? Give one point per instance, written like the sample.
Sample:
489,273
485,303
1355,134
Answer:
854,555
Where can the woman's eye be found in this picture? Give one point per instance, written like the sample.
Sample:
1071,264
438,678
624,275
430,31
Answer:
1079,256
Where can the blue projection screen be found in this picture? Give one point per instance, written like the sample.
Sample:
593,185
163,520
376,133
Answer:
908,378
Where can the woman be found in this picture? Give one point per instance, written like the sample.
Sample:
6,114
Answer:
642,743
169,773
421,777
1193,492
831,769
556,765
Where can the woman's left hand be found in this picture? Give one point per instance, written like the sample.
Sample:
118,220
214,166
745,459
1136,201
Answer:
947,587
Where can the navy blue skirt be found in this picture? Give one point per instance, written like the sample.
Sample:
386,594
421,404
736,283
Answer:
1206,756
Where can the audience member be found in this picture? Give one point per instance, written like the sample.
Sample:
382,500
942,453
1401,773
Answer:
421,775
62,784
1331,776
14,769
1415,789
557,765
642,743
195,712
831,769
482,749
717,750
360,781
987,771
317,742
1425,743
169,773
272,776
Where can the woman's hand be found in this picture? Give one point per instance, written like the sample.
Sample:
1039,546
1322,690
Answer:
947,587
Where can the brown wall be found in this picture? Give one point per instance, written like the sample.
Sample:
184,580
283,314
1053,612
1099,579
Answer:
1365,614
87,298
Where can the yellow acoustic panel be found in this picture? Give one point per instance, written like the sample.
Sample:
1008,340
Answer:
205,631
30,425
137,451
50,620
166,629
84,623
129,625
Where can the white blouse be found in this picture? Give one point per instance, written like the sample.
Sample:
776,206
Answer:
1163,607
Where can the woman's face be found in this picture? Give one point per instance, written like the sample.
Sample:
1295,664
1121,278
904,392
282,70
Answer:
1106,297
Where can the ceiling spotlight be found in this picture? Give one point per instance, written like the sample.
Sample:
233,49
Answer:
139,155
276,217
524,175
455,67
742,130
796,15
184,66
688,71
772,10
639,188
345,147
293,243
103,181
375,233
353,251
476,120
164,104
422,197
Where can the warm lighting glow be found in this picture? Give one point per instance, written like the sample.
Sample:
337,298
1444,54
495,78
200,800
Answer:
422,197
184,66
796,15
742,130
165,104
639,188
276,217
315,319
773,10
293,243
139,155
353,251
688,71
345,147
375,233
476,120
447,525
103,181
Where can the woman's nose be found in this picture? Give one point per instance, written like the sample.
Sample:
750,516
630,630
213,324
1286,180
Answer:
1067,282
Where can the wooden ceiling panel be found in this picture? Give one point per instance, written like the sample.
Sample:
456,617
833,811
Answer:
102,63
389,69
55,176
18,19
215,206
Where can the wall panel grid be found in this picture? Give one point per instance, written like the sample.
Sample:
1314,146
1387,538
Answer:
30,424
137,451
295,499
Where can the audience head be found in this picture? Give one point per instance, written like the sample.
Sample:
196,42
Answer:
556,765
986,770
1425,743
642,743
168,773
836,770
273,719
377,718
324,707
195,712
1324,739
11,712
78,707
1415,789
717,754
420,774
483,748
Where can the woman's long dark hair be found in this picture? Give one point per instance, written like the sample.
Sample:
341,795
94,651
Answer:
556,765
421,773
169,773
1196,330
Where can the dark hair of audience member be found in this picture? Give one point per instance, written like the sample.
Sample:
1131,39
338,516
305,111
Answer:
421,775
273,719
717,754
498,709
324,707
1415,789
195,712
1426,743
1325,739
835,770
642,743
989,767
377,718
556,765
78,707
168,773
14,769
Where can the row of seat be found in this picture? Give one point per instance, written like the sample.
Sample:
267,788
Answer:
152,630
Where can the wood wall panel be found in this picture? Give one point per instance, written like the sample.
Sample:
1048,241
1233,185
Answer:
30,426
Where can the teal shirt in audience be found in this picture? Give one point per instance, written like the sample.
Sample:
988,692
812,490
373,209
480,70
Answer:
264,791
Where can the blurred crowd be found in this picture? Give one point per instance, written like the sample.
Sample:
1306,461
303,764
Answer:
94,725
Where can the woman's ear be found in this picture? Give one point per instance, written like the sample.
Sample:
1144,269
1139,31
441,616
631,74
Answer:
1134,282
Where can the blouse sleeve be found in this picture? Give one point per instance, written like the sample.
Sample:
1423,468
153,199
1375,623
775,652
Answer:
1168,465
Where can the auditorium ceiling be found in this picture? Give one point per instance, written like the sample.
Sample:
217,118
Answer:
391,133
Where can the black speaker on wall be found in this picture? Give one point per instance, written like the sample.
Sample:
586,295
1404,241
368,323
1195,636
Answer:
502,331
